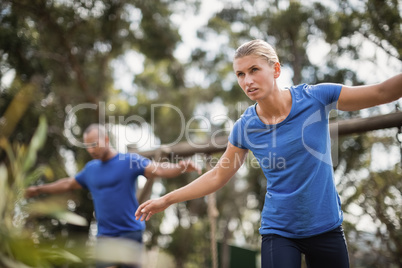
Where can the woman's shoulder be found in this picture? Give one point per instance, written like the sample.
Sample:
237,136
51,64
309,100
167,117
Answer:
249,112
312,87
325,93
249,118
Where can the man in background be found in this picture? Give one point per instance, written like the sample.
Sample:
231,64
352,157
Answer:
111,178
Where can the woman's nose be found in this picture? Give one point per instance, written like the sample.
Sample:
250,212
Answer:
248,80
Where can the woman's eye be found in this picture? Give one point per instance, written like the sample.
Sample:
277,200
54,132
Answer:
240,74
254,70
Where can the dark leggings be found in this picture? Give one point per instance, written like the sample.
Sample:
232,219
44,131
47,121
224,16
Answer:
325,250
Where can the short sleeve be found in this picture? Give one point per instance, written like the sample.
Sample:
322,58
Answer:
326,93
236,136
80,177
139,162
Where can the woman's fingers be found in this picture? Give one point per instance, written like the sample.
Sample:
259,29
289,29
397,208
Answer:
148,216
149,208
141,213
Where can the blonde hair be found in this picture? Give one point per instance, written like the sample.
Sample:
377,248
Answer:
258,48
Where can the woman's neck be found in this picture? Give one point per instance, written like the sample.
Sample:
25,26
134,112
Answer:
275,108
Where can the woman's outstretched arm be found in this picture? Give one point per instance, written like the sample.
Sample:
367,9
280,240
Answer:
208,183
359,97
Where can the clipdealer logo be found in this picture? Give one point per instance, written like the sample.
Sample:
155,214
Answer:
186,129
270,160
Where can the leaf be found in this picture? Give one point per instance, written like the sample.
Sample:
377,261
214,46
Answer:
71,218
3,188
11,263
22,249
54,208
37,141
6,147
37,173
39,138
17,108
59,256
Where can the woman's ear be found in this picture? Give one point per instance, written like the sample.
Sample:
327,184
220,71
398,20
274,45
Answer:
277,68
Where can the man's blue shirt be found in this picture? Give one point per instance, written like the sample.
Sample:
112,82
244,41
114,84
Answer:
295,156
113,185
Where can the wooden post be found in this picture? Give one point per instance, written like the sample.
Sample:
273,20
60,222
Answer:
212,216
146,191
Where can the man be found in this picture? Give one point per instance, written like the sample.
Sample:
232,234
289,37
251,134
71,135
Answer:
111,179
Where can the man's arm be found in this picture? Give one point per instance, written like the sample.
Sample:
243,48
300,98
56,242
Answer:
59,186
169,170
360,97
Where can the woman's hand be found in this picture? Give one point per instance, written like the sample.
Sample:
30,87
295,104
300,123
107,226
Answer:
208,183
151,207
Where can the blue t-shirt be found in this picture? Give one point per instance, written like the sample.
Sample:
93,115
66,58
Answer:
295,156
113,184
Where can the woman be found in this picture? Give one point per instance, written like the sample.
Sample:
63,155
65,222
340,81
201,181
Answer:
287,131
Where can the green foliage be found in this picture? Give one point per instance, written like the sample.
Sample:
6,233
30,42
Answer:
373,194
69,46
17,248
381,23
64,50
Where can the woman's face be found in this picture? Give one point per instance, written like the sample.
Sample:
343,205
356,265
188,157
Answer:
256,76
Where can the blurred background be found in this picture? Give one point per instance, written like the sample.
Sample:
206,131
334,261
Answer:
65,64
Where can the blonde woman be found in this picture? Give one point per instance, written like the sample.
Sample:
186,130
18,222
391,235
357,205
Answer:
287,131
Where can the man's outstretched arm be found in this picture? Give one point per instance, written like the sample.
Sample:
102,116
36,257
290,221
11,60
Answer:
169,170
59,186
